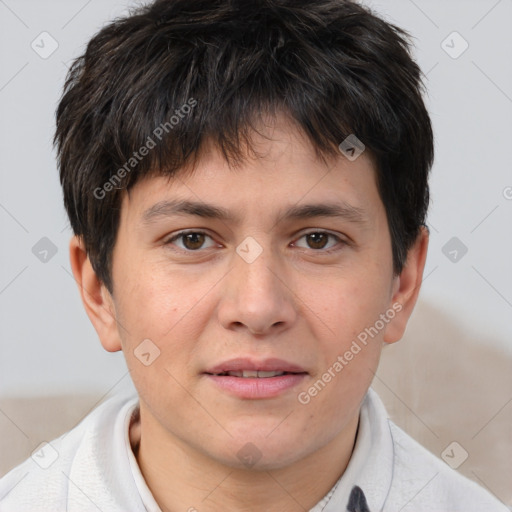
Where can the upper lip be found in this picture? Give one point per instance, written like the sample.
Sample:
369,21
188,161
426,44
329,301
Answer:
266,365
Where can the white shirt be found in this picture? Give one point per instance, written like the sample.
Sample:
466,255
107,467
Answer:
93,467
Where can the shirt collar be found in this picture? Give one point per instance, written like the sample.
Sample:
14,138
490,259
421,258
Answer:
371,466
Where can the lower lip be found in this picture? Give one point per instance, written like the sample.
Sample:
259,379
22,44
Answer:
254,388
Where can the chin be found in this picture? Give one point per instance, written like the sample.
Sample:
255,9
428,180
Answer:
260,453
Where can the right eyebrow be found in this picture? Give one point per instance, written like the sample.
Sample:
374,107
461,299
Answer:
168,208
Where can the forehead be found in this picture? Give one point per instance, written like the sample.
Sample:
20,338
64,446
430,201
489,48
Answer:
281,173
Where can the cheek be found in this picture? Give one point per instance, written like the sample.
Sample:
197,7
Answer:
170,310
154,302
349,305
157,321
350,334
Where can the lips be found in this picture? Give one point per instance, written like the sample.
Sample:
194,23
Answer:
250,368
251,374
258,382
251,379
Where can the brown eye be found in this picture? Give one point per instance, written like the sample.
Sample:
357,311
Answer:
317,240
190,240
320,241
193,241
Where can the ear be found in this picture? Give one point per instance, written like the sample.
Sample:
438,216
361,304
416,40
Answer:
97,300
406,287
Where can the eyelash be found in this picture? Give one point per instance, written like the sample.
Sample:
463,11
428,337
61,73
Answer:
326,251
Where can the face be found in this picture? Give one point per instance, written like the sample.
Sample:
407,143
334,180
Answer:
252,277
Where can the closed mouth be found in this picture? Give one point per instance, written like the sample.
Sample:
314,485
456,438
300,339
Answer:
252,374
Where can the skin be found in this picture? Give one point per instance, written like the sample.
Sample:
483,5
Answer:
207,305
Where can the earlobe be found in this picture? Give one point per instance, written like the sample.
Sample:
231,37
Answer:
407,287
98,302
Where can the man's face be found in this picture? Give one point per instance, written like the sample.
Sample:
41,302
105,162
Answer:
252,288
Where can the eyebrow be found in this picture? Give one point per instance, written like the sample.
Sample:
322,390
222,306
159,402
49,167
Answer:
169,208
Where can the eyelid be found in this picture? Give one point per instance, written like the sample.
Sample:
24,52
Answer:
340,240
179,234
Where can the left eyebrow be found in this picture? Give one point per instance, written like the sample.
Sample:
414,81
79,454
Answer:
342,210
169,208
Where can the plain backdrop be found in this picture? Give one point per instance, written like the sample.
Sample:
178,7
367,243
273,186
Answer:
47,344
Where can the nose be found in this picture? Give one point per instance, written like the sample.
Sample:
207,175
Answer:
256,296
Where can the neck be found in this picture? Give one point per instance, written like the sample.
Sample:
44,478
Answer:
184,479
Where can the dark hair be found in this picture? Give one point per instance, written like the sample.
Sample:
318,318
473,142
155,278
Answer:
332,66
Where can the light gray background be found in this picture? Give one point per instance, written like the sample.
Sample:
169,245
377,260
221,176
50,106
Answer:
47,344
